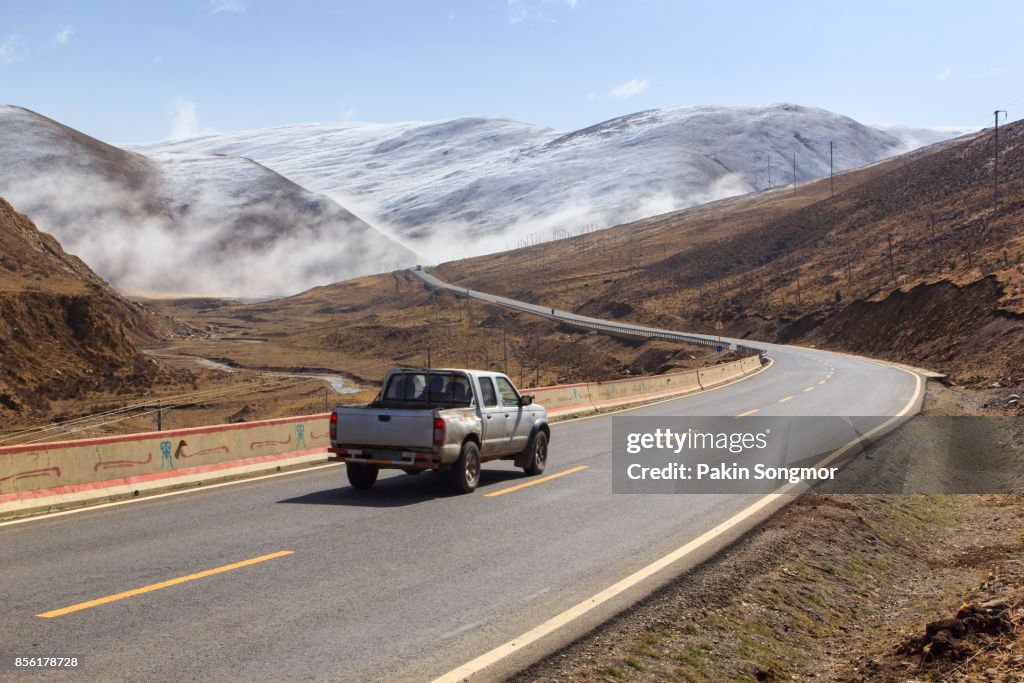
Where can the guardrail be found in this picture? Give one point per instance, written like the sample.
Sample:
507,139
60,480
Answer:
618,329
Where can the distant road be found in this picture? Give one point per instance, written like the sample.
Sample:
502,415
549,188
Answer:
400,583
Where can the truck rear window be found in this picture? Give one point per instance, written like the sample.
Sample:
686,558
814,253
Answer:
428,388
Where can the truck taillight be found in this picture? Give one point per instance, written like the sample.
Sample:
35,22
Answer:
334,426
438,431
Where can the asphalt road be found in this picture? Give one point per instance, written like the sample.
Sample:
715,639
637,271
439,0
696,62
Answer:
403,582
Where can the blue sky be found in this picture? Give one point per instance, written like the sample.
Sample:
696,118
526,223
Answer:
133,71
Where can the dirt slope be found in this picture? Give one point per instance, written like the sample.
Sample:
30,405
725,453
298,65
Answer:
63,332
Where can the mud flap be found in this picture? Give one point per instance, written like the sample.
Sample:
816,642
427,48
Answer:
523,458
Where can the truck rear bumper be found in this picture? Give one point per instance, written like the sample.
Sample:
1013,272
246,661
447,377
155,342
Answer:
392,459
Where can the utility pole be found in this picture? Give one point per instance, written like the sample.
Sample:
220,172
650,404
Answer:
831,176
794,172
935,247
892,266
504,347
159,416
995,164
536,356
428,357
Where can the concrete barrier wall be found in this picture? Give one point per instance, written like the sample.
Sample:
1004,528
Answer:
44,476
72,468
593,396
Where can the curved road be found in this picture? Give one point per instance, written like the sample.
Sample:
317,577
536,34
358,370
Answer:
403,582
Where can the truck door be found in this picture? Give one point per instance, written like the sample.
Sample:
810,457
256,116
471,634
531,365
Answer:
519,419
492,420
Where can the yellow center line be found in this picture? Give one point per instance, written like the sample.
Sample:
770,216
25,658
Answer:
809,389
783,400
822,381
162,584
749,412
510,489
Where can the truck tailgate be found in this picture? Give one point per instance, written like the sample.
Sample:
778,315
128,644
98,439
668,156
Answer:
399,429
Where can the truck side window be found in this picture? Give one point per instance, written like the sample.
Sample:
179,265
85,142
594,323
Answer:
509,395
487,392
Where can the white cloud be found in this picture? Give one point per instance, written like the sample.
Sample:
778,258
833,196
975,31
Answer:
524,10
944,74
628,89
217,6
64,35
11,50
185,119
516,12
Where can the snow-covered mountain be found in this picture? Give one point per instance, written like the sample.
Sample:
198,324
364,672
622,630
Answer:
181,224
483,183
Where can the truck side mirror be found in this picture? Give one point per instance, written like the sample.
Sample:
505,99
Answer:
525,400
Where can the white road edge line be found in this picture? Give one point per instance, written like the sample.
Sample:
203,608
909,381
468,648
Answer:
488,658
142,499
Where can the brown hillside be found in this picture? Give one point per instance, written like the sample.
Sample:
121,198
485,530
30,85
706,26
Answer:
803,266
63,332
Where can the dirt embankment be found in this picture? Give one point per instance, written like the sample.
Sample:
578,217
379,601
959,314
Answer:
960,330
64,334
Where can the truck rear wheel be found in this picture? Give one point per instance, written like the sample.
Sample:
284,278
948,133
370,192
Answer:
361,476
465,473
538,454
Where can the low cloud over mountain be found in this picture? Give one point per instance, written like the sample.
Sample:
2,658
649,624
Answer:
180,224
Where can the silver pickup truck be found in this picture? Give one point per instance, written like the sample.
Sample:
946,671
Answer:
447,420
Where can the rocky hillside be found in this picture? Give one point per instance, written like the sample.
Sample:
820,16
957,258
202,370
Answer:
64,333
